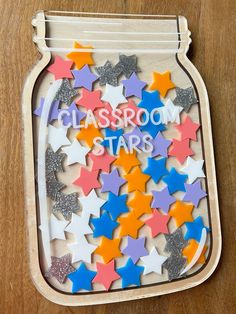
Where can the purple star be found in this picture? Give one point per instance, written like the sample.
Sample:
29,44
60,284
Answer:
162,199
194,193
53,114
84,78
133,86
135,248
112,182
74,116
134,136
160,145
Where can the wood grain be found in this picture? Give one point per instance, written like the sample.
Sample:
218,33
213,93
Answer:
212,23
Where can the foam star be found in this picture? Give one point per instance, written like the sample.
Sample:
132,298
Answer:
81,251
90,100
175,242
127,65
112,182
162,82
194,229
88,134
76,153
103,116
156,169
66,204
115,135
193,169
57,137
188,129
135,248
53,186
72,116
129,225
106,274
153,128
158,223
84,78
79,226
87,180
82,279
132,108
185,98
116,205
54,110
174,265
170,113
175,181
190,250
136,180
180,150
108,74
81,58
53,161
130,274
135,134
102,162
92,204
141,204
153,262
127,160
56,228
65,92
181,212
109,249
60,268
114,95
162,199
160,145
194,193
103,226
60,68
133,86
150,101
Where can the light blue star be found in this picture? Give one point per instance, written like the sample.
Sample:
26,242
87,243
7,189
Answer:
194,229
82,278
103,226
156,168
175,181
130,274
116,205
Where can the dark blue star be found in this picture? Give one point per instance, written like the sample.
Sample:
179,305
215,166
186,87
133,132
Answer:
103,226
175,181
81,278
112,133
130,274
116,205
156,168
194,229
150,101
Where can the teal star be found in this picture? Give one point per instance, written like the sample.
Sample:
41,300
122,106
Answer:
130,274
194,229
156,168
103,226
175,181
82,278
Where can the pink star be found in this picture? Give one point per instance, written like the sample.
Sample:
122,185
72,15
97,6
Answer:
61,68
108,115
131,105
102,162
158,223
87,181
188,129
106,274
180,150
90,100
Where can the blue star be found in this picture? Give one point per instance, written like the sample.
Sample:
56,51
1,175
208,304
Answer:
130,274
112,133
150,101
103,226
152,128
175,181
156,168
81,278
194,229
116,205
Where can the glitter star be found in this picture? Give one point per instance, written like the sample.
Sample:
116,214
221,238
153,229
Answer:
84,78
185,98
162,82
60,268
174,265
81,278
53,185
106,274
87,180
108,74
175,242
65,92
61,68
66,204
127,65
81,58
53,161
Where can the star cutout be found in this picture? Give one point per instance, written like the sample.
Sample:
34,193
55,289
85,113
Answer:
152,128
175,242
170,113
133,86
81,250
114,95
53,161
87,181
57,137
60,268
158,223
108,74
193,169
56,228
102,162
174,265
106,118
84,78
65,92
53,186
130,274
141,204
156,169
185,98
194,193
88,134
188,129
72,116
160,146
175,181
103,226
162,199
136,180
109,249
54,110
194,229
81,58
127,65
150,101
162,82
112,182
76,153
60,68
115,135
190,250
131,112
137,135
181,212
92,204
82,279
116,205
106,274
135,248
90,100
180,150
127,160
79,226
129,225
66,204
153,262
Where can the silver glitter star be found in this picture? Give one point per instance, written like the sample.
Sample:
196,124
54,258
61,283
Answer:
127,65
65,92
108,74
175,242
60,268
185,98
174,265
53,161
66,204
53,185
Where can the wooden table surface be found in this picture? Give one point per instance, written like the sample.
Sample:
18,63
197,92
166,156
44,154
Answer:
213,25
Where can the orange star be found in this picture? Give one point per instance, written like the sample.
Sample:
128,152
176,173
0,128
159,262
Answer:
162,83
141,204
129,225
127,160
190,250
81,58
88,134
108,249
182,212
136,180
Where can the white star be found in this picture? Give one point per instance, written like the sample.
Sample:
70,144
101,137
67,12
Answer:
56,228
57,137
76,153
193,169
79,226
170,112
114,95
91,204
81,251
153,262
